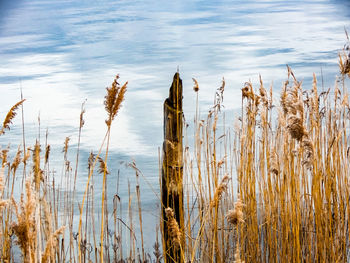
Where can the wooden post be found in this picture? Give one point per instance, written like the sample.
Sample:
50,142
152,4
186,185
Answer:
172,170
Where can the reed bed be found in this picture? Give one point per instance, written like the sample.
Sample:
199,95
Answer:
275,187
271,187
293,174
47,221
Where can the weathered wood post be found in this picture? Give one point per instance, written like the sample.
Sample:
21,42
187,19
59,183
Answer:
172,170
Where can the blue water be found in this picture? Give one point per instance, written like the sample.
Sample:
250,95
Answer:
62,53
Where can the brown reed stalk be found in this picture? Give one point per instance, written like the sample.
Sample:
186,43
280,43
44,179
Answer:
113,101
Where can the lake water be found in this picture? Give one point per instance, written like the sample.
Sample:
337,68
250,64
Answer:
62,53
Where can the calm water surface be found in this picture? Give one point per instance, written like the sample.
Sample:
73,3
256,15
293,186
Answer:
62,53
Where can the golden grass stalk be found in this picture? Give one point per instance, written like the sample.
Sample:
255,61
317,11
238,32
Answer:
113,101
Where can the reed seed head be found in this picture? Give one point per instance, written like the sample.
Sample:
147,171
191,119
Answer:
173,228
274,167
296,127
222,187
172,188
4,154
36,165
247,91
26,156
47,153
308,152
16,161
344,62
91,160
4,203
66,146
235,216
10,116
114,99
195,86
103,166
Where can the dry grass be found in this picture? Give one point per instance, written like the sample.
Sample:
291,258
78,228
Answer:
273,188
290,202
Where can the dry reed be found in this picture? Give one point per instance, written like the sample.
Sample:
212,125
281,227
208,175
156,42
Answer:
289,165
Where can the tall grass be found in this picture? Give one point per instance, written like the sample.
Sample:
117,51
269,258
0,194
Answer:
275,188
272,187
49,223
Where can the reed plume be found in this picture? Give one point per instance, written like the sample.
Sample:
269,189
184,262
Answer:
37,172
65,147
91,160
17,160
157,249
344,58
3,204
247,92
47,153
195,86
296,127
222,187
308,152
4,154
10,116
102,166
235,216
114,99
274,166
173,228
26,156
